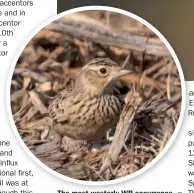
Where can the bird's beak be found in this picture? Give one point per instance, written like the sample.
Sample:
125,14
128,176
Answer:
124,72
119,73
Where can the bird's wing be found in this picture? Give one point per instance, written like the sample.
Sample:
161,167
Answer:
64,105
59,104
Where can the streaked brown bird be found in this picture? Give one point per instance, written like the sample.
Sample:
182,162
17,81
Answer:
86,109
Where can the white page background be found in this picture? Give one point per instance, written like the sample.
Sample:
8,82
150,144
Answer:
168,174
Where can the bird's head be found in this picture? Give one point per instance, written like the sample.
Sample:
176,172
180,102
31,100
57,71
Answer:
100,73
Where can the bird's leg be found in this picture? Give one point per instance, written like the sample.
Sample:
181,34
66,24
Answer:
99,144
96,147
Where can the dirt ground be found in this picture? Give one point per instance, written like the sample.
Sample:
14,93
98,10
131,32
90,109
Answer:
51,61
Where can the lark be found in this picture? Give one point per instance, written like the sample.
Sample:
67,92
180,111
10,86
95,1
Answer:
86,109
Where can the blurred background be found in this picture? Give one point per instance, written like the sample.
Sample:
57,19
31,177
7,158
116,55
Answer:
174,19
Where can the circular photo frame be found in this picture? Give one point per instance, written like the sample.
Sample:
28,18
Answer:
84,47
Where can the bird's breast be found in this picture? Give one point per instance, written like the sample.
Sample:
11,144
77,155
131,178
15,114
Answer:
97,111
86,117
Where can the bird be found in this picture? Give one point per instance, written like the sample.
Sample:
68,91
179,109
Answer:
91,105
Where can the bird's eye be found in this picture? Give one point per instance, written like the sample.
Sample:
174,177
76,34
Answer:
103,70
